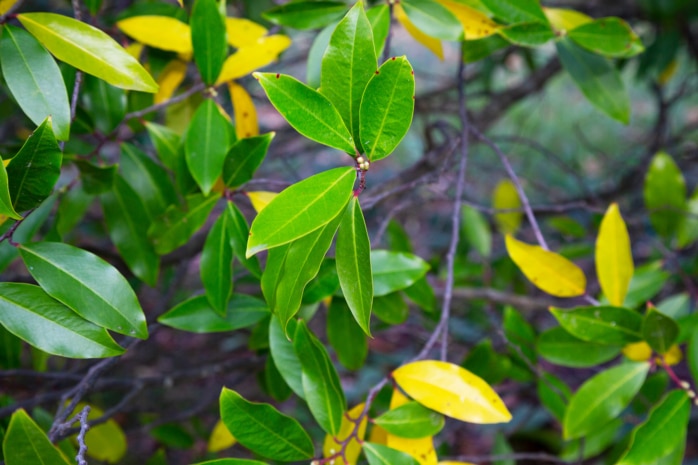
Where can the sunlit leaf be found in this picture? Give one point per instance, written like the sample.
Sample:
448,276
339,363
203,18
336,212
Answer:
411,420
378,454
162,32
220,438
24,443
533,34
614,260
505,197
245,112
284,355
244,158
475,23
563,19
252,57
6,208
393,271
433,19
169,80
242,32
333,444
431,43
260,199
379,17
516,11
612,37
345,335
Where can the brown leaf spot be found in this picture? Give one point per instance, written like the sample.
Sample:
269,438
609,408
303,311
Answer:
278,75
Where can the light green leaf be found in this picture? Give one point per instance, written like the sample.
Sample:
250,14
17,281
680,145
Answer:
612,37
378,454
315,54
26,443
665,194
208,37
602,398
87,284
353,258
379,17
306,15
301,209
594,443
411,420
307,111
264,430
476,230
554,394
482,48
561,348
32,315
531,34
516,11
6,207
216,265
244,158
166,143
197,316
393,271
688,227
433,19
239,231
284,355
659,331
345,335
387,107
34,80
148,179
105,103
602,325
88,49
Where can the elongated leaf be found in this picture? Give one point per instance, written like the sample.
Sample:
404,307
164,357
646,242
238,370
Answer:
531,34
208,37
301,209
379,17
476,230
431,43
196,315
378,454
516,11
596,77
162,32
148,179
216,265
602,398
34,80
393,271
24,442
32,315
88,49
452,391
333,444
433,19
549,271
347,65
306,15
244,158
476,24
238,232
387,107
506,197
659,330
106,103
284,355
96,179
307,110
411,420
87,284
6,207
231,462
252,57
263,429
32,173
554,394
345,335
242,32
665,194
166,143
614,259
603,325
245,112
612,37
169,80
127,222
561,348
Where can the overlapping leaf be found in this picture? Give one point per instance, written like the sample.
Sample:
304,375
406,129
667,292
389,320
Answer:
29,443
196,315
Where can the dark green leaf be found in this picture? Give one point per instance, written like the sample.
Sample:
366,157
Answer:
273,382
531,34
148,179
284,355
393,271
378,454
433,19
197,316
216,265
594,443
665,194
166,143
325,284
607,36
516,11
231,462
659,331
687,232
105,103
11,353
602,325
411,420
520,333
486,363
379,17
478,49
96,179
397,238
239,231
390,308
692,354
26,231
554,394
561,348
422,294
244,158
306,15
208,39
72,208
345,335
6,207
173,435
25,443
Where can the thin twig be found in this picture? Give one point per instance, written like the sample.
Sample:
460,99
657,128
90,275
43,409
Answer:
84,426
159,106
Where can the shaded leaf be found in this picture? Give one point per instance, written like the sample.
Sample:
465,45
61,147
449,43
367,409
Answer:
612,37
505,197
148,179
554,395
378,454
239,231
208,37
197,316
411,420
665,194
216,265
345,335
476,230
284,355
531,34
166,143
306,15
603,325
561,348
391,308
105,103
379,17
659,331
393,271
613,255
244,158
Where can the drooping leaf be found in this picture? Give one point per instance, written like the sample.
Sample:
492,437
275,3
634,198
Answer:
665,194
452,391
263,429
244,158
34,80
148,179
169,80
387,107
306,14
476,24
505,197
612,37
393,271
216,265
613,255
533,34
516,11
208,38
561,348
6,208
87,284
422,449
32,315
88,49
301,209
431,43
378,454
433,19
602,398
345,335
411,420
24,442
196,315
659,330
252,57
239,231
603,325
284,355
307,111
161,32
333,444
245,112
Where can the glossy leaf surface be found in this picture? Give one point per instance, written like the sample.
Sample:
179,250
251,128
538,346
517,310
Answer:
411,420
561,348
284,355
244,158
208,37
179,223
216,265
166,143
393,271
433,19
659,330
25,442
6,207
613,255
612,37
306,14
603,325
197,316
345,335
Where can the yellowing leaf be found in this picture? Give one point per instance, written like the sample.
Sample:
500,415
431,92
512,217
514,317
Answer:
134,49
243,32
549,271
421,449
6,5
506,197
105,442
672,356
245,113
637,351
378,435
220,439
614,259
252,57
261,199
429,42
563,19
452,391
333,445
162,32
169,80
475,24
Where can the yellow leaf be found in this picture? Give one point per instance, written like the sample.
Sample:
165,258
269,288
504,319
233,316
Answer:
563,19
261,199
169,80
105,442
333,445
637,351
378,435
452,391
181,3
245,113
134,49
614,259
6,162
506,197
429,42
421,449
252,57
220,439
6,5
475,24
672,356
162,32
243,32
549,271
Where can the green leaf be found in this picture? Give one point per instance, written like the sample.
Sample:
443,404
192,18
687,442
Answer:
34,80
6,207
516,11
105,103
345,335
87,284
378,454
306,15
379,17
692,354
486,363
482,48
127,223
273,383
26,443
594,443
476,230
554,395
307,110
325,284
238,232
321,385
607,36
687,232
216,265
347,65
665,194
353,258
166,143
393,271
531,34
301,209
391,308
315,54
284,355
206,145
263,429
603,325
35,169
96,179
244,158
659,330
208,39
25,231
231,462
387,107
433,19
88,49
197,316
561,348
411,420
596,77
602,398
662,432
422,294
180,222
519,333
148,179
